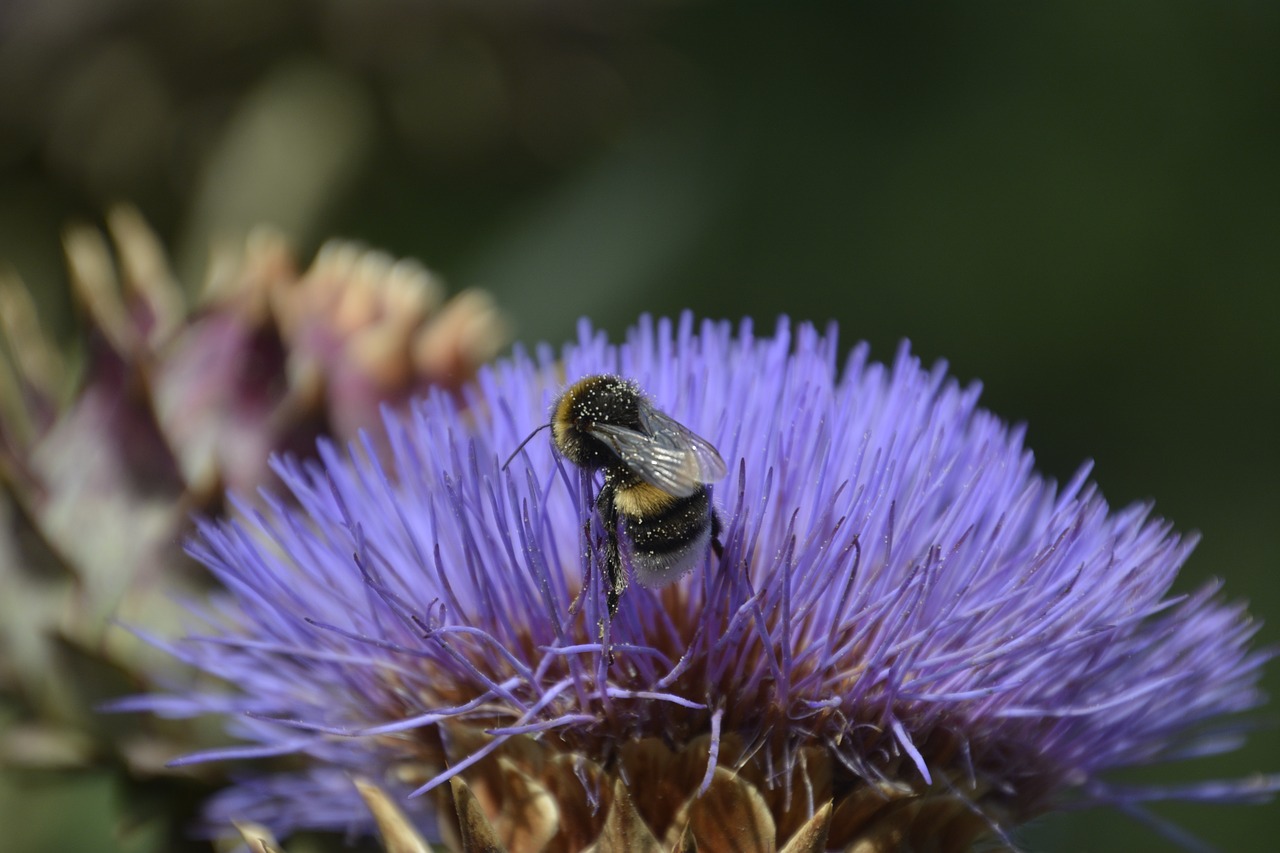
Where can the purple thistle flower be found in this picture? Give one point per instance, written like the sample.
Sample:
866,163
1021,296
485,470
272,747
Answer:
904,613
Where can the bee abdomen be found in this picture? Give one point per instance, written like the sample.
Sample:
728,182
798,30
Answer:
666,535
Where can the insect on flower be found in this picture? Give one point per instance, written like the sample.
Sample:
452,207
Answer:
655,476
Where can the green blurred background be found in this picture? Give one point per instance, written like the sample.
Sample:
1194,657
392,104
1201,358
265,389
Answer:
1080,206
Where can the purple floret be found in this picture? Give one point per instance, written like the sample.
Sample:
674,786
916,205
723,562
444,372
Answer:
898,587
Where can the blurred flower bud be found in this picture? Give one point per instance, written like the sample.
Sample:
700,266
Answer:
174,404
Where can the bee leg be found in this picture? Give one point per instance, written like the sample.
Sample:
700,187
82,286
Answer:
614,577
716,545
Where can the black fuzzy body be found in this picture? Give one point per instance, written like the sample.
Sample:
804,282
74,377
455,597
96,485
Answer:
665,534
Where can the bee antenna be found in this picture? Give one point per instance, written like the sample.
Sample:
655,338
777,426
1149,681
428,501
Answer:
523,443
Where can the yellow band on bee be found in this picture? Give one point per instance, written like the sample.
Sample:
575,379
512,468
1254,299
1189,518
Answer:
642,500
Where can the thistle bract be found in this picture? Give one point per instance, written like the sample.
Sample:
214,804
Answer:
907,622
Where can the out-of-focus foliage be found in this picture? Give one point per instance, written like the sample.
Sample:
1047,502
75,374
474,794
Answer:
1076,204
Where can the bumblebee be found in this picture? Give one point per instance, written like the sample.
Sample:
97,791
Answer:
654,502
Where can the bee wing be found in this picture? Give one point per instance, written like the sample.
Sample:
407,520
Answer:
668,456
677,436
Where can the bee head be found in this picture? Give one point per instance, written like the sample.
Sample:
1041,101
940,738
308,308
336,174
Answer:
590,401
